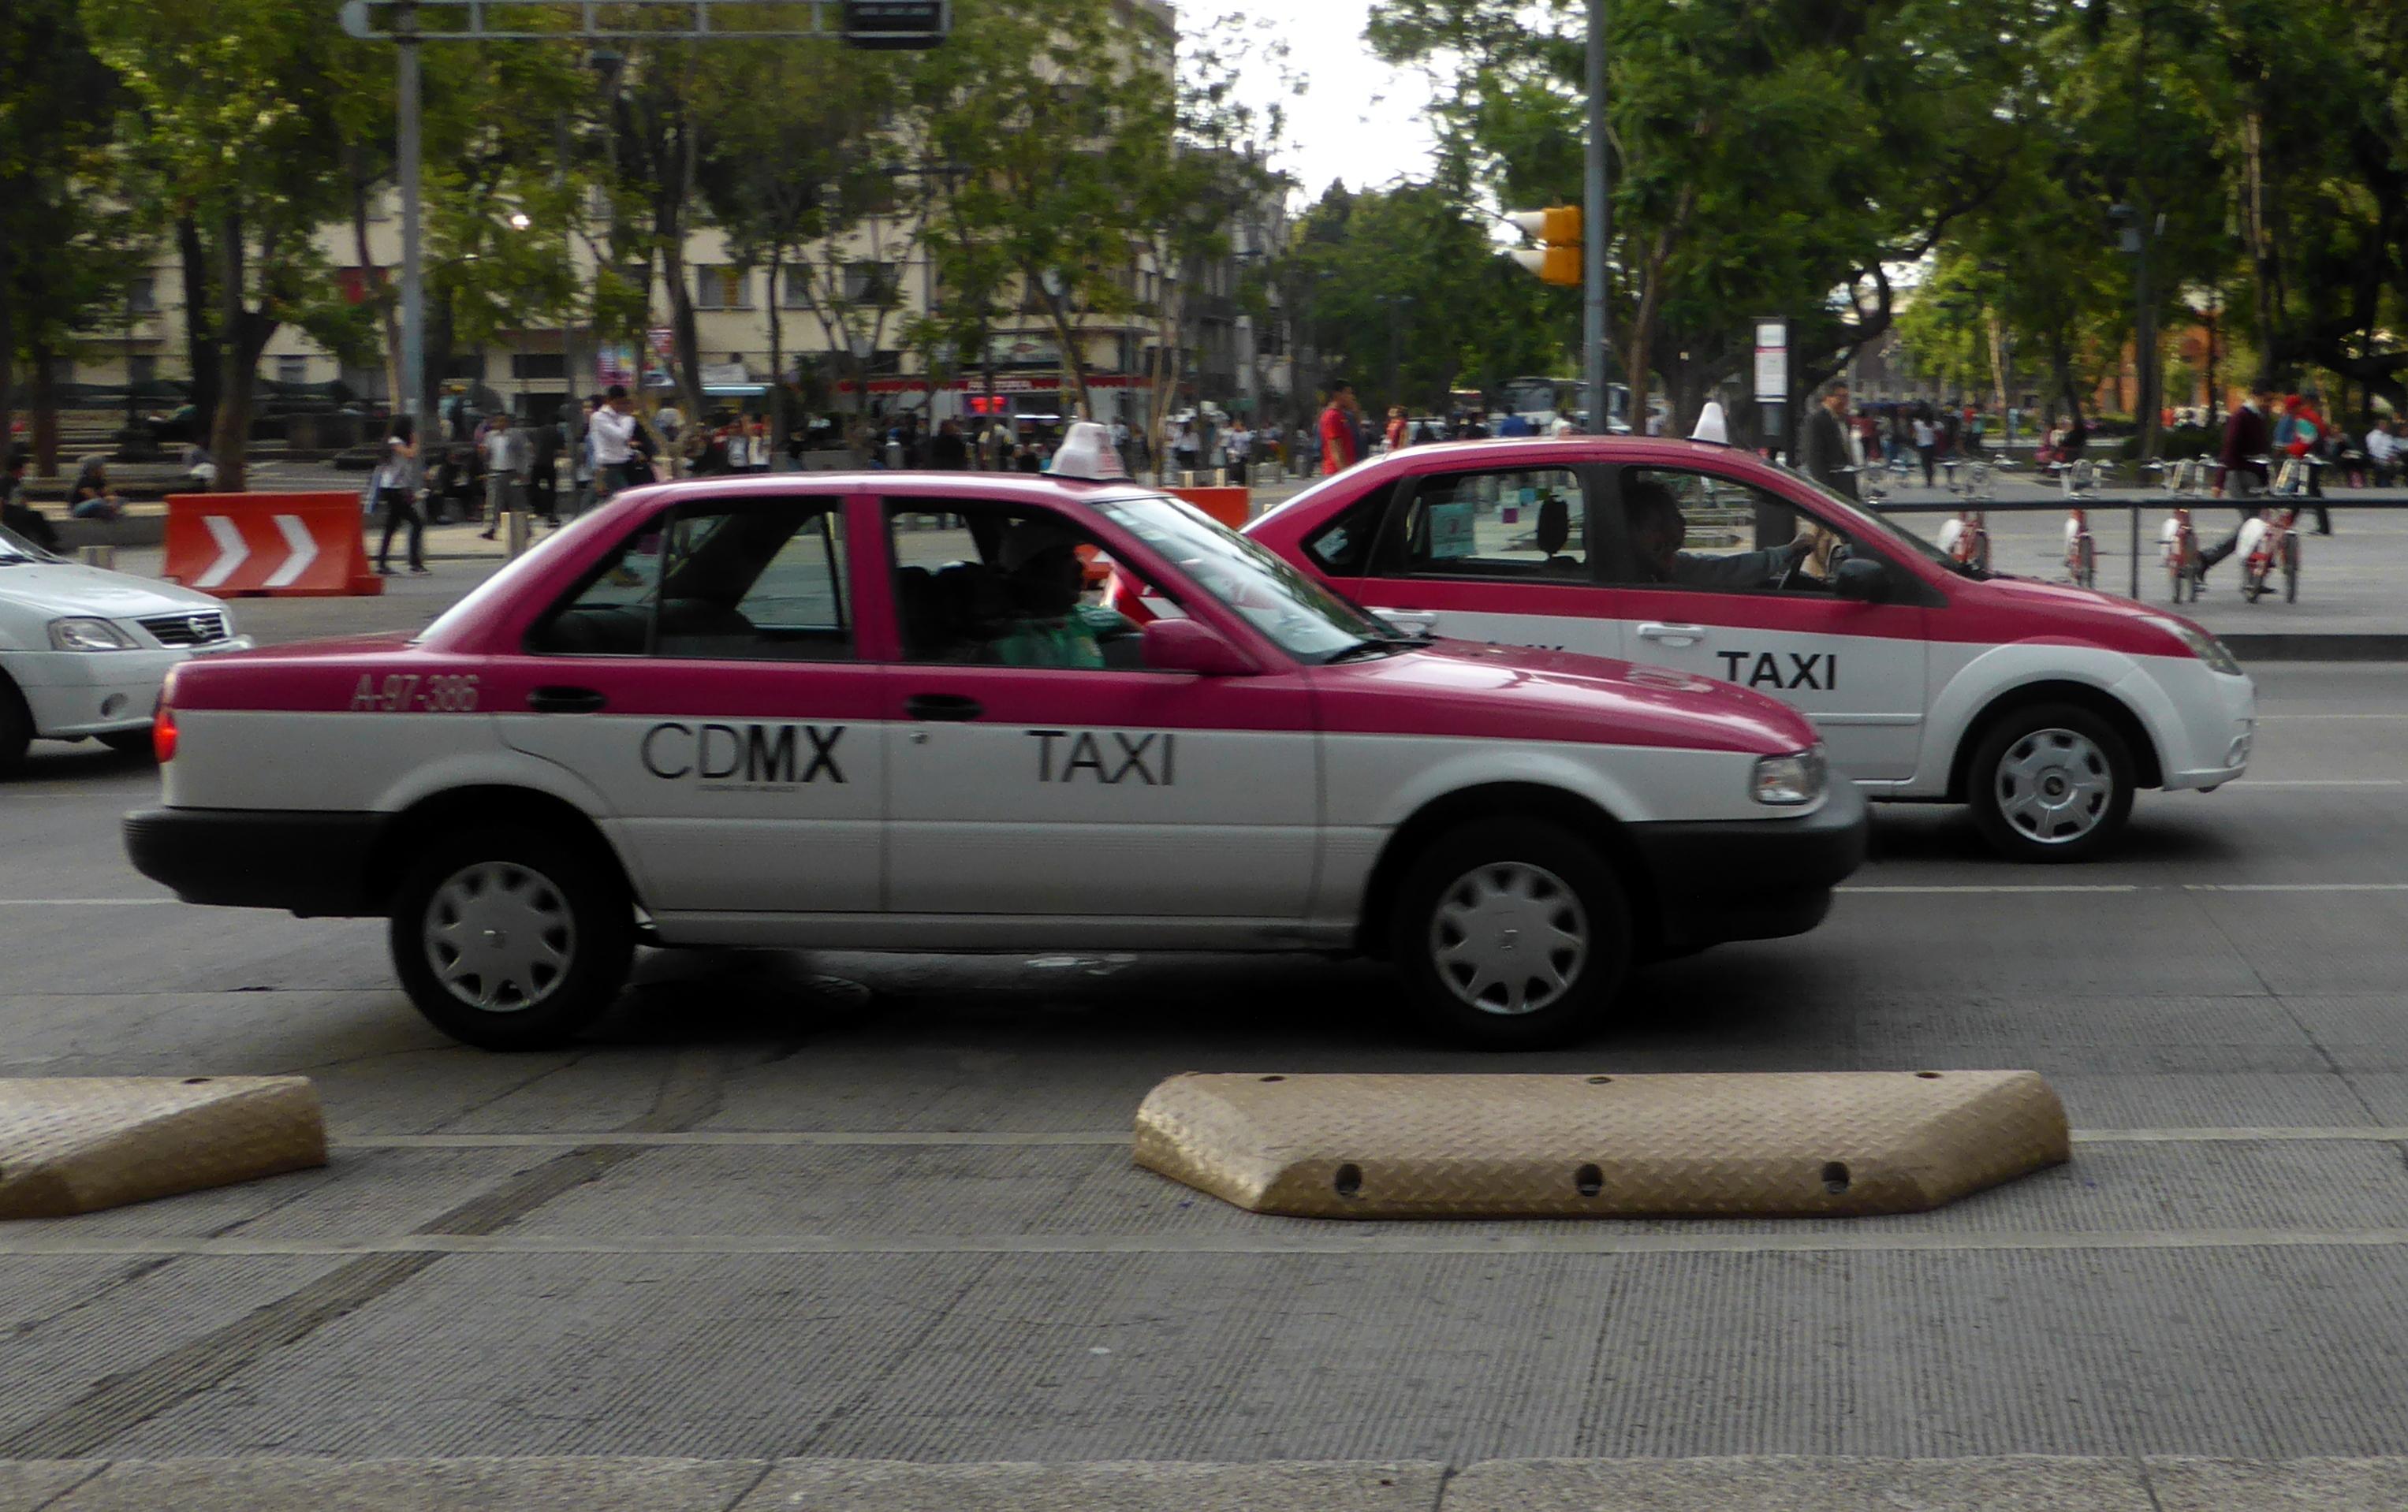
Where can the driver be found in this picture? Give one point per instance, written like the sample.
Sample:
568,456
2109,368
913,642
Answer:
1657,530
1044,579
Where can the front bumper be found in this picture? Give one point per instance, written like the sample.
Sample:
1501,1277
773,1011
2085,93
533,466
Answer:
72,694
316,866
1752,879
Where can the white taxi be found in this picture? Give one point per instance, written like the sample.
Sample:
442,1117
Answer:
83,651
2043,706
875,711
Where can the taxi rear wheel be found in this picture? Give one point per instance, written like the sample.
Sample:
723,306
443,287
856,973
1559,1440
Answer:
2051,782
1513,934
511,939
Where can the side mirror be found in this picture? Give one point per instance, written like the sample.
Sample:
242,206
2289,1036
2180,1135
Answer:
1187,646
1862,579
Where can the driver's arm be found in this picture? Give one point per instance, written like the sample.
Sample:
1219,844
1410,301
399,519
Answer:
1740,569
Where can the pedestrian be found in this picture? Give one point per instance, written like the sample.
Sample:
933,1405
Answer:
947,452
1341,448
91,497
1240,445
581,450
505,467
2303,436
1186,453
397,479
1394,436
1829,461
2382,454
614,433
670,422
15,513
1927,445
2248,433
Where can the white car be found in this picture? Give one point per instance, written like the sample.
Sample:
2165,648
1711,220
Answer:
83,651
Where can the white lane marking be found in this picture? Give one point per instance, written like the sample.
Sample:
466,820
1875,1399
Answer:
2251,784
2039,887
2294,887
82,903
1540,1237
302,550
2269,718
231,550
1114,1138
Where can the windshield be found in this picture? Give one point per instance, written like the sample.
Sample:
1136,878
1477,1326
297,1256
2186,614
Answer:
15,548
1310,622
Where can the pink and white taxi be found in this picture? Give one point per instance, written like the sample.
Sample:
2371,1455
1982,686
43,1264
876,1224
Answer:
876,711
2043,706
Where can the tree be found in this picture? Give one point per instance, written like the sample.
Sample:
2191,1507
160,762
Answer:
233,103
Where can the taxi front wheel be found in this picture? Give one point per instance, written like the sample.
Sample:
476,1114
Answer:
2050,783
1513,934
511,939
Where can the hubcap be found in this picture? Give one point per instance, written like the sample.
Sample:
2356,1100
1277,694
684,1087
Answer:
1509,938
499,936
2053,786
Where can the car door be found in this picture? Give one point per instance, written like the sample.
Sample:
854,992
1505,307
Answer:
1856,669
1037,768
703,681
1499,554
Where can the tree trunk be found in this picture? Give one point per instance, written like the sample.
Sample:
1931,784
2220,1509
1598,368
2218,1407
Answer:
202,338
2263,256
246,338
44,402
1074,361
778,427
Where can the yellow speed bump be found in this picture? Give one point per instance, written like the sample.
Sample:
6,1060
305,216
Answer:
1775,1145
77,1145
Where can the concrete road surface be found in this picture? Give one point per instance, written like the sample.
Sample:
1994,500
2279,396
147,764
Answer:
862,1231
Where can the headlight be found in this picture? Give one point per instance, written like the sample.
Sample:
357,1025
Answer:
88,636
1787,781
2201,645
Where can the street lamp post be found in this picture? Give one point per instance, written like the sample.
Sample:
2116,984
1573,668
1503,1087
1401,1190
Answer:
1594,229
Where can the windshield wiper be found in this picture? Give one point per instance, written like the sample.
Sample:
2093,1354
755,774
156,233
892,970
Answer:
1389,646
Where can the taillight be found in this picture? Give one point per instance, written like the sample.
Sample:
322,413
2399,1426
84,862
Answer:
162,734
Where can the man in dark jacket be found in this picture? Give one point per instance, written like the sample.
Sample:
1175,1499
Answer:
1829,461
2247,435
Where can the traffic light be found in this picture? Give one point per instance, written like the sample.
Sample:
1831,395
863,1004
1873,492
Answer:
1556,259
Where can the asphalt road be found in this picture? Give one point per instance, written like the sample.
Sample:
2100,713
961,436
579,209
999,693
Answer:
783,1217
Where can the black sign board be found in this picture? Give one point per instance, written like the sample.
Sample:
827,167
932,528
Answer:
897,24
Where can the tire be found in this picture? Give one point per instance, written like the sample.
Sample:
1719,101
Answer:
1513,876
2291,570
557,893
127,742
2068,793
16,729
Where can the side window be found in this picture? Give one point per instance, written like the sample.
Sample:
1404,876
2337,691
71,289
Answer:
1698,530
1527,523
757,582
1342,547
1003,586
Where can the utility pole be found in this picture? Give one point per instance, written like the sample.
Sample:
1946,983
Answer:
1596,230
408,168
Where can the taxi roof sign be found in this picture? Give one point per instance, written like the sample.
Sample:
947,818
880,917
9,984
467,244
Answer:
1087,454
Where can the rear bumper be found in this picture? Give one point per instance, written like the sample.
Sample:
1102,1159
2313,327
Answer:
313,864
1752,879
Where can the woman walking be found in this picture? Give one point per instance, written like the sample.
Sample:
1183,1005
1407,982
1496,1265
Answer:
397,479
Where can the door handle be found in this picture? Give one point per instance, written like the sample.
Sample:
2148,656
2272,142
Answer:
565,701
952,707
1671,635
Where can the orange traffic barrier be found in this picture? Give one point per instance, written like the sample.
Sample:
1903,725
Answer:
1231,507
249,545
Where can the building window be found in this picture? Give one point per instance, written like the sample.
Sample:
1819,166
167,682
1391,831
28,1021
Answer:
142,295
141,369
871,283
528,366
796,292
719,286
292,370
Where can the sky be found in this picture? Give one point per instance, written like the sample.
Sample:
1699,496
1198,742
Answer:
1359,120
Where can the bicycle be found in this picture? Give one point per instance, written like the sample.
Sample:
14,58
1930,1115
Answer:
2178,538
2081,547
2270,540
1966,537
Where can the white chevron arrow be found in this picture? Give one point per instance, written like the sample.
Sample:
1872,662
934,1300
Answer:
304,551
231,550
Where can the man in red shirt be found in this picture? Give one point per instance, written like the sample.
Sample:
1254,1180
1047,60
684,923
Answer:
1338,441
